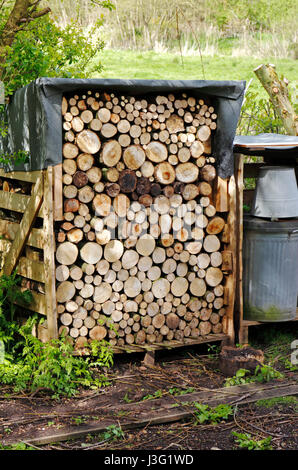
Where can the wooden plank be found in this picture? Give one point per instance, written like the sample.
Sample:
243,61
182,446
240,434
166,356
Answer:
30,269
58,192
9,229
21,237
230,284
38,304
27,176
16,202
49,255
221,195
171,410
239,175
169,344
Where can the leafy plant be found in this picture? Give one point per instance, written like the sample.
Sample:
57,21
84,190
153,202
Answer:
18,446
212,415
33,365
262,373
9,294
157,394
238,379
246,441
113,433
265,373
178,391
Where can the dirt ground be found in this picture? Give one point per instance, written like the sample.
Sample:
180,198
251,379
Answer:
186,370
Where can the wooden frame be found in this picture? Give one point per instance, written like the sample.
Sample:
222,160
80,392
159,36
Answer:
22,245
244,196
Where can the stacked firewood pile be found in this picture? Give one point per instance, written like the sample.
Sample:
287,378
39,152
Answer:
139,251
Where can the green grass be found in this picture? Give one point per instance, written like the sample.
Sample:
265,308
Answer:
151,65
279,401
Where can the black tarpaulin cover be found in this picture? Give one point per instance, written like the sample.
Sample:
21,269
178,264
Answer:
35,122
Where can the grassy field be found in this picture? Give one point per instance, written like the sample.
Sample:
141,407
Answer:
149,64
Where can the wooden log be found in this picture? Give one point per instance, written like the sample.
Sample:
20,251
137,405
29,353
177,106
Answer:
85,194
164,173
160,288
98,333
279,95
132,287
88,141
198,287
101,204
94,175
70,150
91,252
174,124
67,253
111,153
172,321
215,226
211,243
156,152
208,173
102,293
127,181
108,130
80,179
113,251
65,291
203,133
214,276
121,205
187,172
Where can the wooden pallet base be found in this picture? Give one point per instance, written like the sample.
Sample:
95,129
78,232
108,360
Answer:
149,349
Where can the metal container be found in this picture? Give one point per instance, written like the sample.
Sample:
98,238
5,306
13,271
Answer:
276,193
270,269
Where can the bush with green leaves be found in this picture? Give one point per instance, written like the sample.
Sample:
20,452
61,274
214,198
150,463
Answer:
54,367
30,365
39,47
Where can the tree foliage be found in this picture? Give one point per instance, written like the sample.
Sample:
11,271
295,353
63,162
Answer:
33,45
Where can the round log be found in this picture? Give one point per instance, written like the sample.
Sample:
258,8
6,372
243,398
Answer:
111,153
88,141
156,152
67,253
187,172
127,181
211,243
164,173
65,291
214,276
91,252
134,157
113,251
98,333
198,287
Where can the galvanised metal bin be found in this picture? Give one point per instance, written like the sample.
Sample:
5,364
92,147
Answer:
270,269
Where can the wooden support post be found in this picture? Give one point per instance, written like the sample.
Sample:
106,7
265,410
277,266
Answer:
49,255
149,359
238,310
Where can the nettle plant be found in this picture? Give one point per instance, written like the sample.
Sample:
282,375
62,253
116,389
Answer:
27,364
